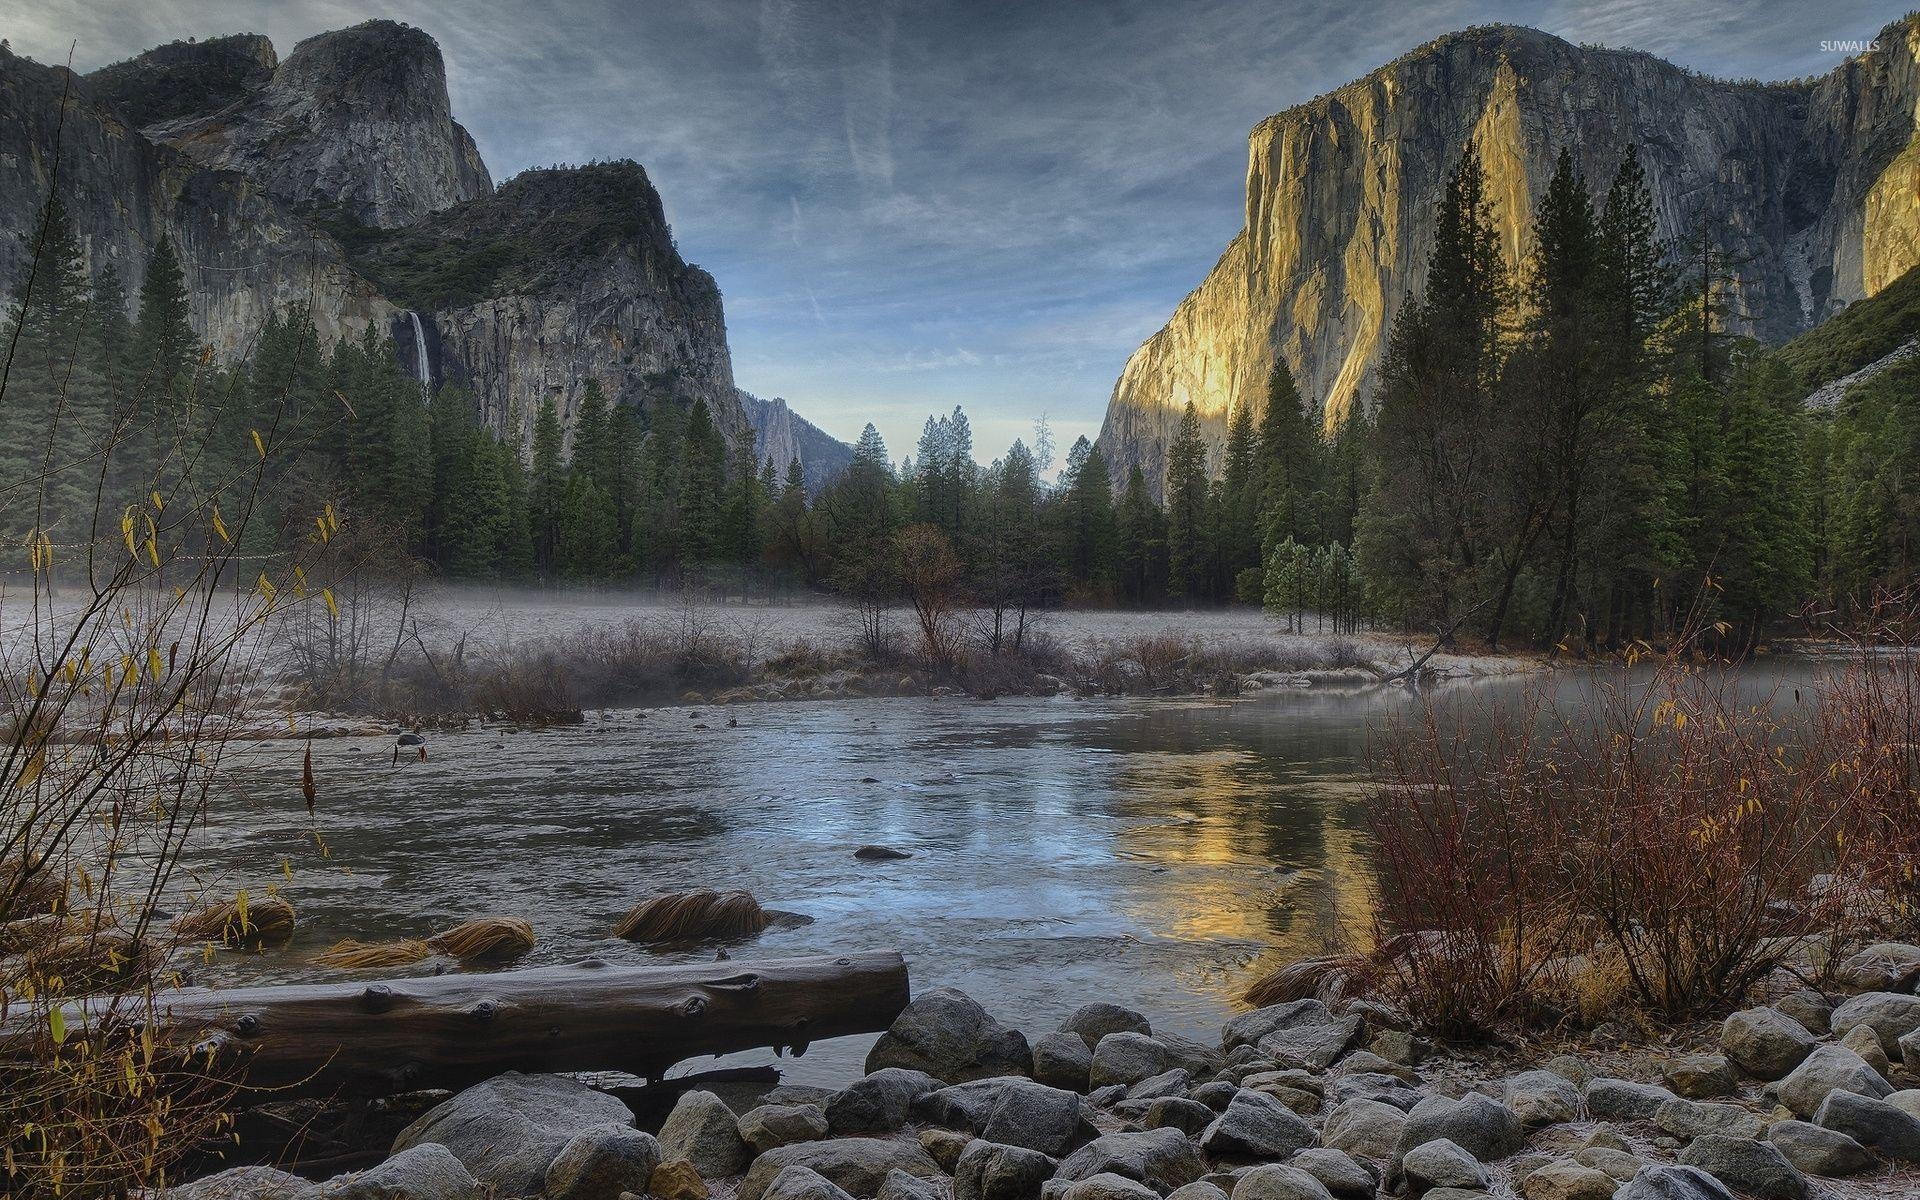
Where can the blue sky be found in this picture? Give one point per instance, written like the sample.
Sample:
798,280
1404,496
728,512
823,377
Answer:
935,202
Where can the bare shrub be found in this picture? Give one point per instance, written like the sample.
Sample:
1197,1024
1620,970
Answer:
931,573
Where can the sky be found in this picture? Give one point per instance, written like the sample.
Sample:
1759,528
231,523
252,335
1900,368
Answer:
919,204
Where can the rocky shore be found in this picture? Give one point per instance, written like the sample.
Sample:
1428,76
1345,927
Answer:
1816,1094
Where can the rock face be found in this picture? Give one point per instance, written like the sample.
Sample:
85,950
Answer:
1811,186
780,436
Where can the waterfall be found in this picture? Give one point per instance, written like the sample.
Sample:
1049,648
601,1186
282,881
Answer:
422,370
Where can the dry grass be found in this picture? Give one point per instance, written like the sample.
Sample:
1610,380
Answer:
485,940
238,922
352,955
692,916
1326,977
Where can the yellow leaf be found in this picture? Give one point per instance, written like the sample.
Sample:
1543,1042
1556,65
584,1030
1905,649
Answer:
220,526
35,764
327,595
259,446
57,1025
159,505
154,663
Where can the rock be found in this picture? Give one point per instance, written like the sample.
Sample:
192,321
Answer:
1480,1125
1910,1053
877,1103
1808,1009
1564,1180
1110,1187
1891,1016
1063,1060
1818,1151
772,1125
1366,1062
1034,1116
1875,1124
427,1171
1542,1098
1862,1040
1828,1069
989,1171
1745,1165
1701,1076
1276,1181
802,1183
857,1165
1340,1174
1442,1164
799,1093
946,1146
1105,1096
1576,1071
1248,1028
1623,1100
1126,1058
704,1131
1618,1164
1178,1112
1167,1083
676,1180
1385,1088
1095,1021
899,1185
1366,1128
507,1131
1163,1159
1885,967
1907,1101
1198,1061
1695,1118
1656,1181
1256,1126
1456,1194
1605,1137
605,1162
1199,1189
871,853
1315,1047
1765,1042
1398,1046
950,1037
246,1183
1216,1095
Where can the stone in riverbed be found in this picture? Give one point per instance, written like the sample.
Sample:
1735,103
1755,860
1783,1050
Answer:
1034,1116
945,1033
1885,967
1701,1076
1166,1083
1619,1164
1442,1164
704,1131
1480,1125
1696,1118
1818,1151
1385,1088
508,1130
1624,1100
1248,1028
803,1183
1216,1095
428,1171
872,853
1366,1128
1657,1181
1765,1042
899,1185
1199,1189
877,1103
1063,1060
1091,1022
857,1165
1891,1016
1315,1047
1126,1058
1277,1181
1862,1040
246,1183
1756,1168
1256,1127
1875,1124
1178,1112
603,1162
1101,1187
675,1180
1563,1179
945,1145
772,1125
990,1171
1163,1159
1339,1173
1542,1098
1829,1068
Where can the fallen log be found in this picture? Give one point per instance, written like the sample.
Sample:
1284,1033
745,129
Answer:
449,1031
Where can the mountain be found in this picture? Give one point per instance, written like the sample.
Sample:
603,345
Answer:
337,179
781,435
1812,188
1858,344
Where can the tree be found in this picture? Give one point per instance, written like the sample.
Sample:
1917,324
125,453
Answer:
703,477
587,538
1093,532
931,573
1141,541
1287,464
1240,489
1186,488
546,485
164,345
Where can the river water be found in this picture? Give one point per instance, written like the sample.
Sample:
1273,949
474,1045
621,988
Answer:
1156,853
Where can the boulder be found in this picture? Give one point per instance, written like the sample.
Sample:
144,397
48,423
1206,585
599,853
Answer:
1199,1189
604,1162
803,1183
1907,1101
1315,1047
1700,1076
877,1103
1875,1124
772,1125
507,1131
1624,1100
1178,1112
1891,1016
1063,1060
1697,1118
1542,1098
246,1183
990,1171
1366,1062
1885,967
1658,1181
1480,1125
946,1146
898,1185
1248,1028
1197,1060
1258,1127
1817,1151
1562,1179
1385,1088
1216,1095
427,1171
1576,1071
1442,1164
1829,1068
1619,1165
1126,1058
1276,1181
963,1105
1807,1008
1398,1046
1166,1083
1108,1187
1091,1022
1340,1174
674,1180
1034,1116
946,1034
856,1165
1862,1040
704,1131
1163,1159
1756,1168
1366,1128
1765,1042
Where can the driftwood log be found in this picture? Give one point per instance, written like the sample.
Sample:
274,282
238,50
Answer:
449,1031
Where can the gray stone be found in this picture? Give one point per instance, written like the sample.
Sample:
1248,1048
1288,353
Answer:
946,1146
604,1162
857,1165
877,1103
1808,1009
246,1183
1480,1125
1577,1071
1315,1047
1034,1116
1829,1068
991,1171
1442,1164
1907,1101
1398,1046
1166,1083
1910,1052
772,1125
1248,1028
507,1131
1276,1181
1095,1021
1163,1159
1620,1165
1256,1126
1385,1088
1862,1040
1657,1181
898,1185
1701,1076
1104,1096
1126,1058
950,1037
1542,1098
1564,1180
704,1131
1891,1016
1765,1042
1108,1187
427,1171
1216,1095
1885,967
1178,1112
1757,1168
963,1105
1366,1062
803,1183
1338,1172
1063,1060
1697,1118
1366,1128
1819,1151
1199,1189
1624,1100
1875,1124
1199,1061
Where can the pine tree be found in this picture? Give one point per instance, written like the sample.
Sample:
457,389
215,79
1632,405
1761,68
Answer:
703,477
587,537
592,437
164,345
546,485
1139,544
1093,532
1187,511
1287,468
1240,489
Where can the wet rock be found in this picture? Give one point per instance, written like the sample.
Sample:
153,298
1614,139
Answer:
1277,1181
950,1037
1885,967
1542,1098
1624,1100
1167,1083
879,1102
1765,1042
507,1131
1700,1076
990,1171
246,1183
1366,1128
945,1145
881,854
1480,1125
1248,1028
1178,1112
1339,1173
1829,1068
1256,1126
1163,1159
1034,1116
1891,1016
1126,1058
803,1183
1315,1047
857,1165
1095,1021
1216,1095
675,1180
1862,1040
604,1162
1657,1181
1875,1124
1818,1151
704,1131
1063,1060
1756,1168
772,1125
428,1171
1696,1118
1565,1180
1103,1187
899,1185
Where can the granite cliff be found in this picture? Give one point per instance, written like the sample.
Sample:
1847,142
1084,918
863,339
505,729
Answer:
781,435
1812,187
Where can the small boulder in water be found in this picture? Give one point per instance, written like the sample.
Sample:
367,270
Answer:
880,854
